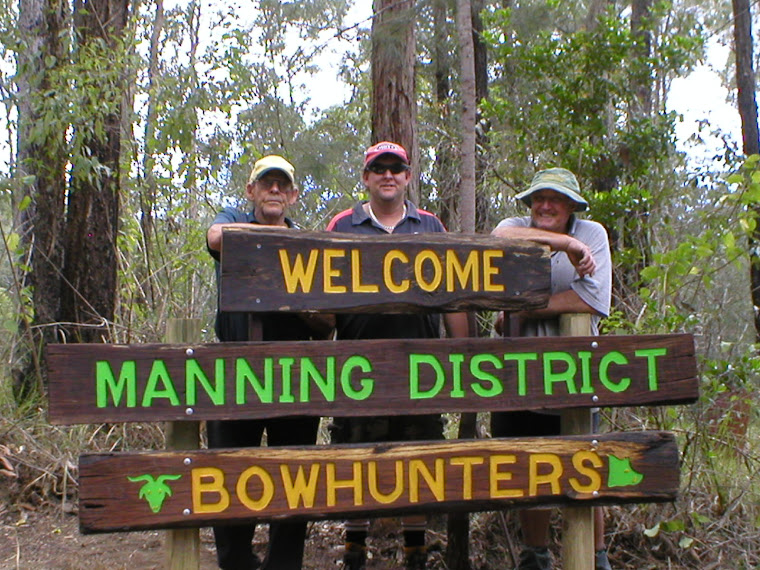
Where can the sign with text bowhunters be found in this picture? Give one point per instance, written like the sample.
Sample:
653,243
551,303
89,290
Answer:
266,271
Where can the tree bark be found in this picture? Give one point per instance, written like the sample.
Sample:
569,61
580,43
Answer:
88,298
394,105
745,84
469,116
42,157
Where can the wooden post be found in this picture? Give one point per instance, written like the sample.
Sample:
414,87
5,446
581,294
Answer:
183,546
578,532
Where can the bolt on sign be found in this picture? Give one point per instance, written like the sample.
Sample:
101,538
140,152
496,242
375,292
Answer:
107,383
285,270
122,491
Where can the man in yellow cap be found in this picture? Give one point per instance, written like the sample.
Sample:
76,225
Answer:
272,191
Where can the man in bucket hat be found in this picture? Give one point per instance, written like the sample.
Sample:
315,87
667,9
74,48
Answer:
581,282
272,191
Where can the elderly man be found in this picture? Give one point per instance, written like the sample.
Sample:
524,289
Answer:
581,282
386,175
271,190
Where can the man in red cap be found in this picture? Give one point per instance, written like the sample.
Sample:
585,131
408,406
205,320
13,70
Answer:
387,173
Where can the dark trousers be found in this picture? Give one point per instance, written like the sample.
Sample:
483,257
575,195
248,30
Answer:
286,539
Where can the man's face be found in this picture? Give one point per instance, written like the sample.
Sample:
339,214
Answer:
550,210
386,178
272,195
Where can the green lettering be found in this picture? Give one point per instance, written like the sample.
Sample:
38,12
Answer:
613,357
415,360
326,383
367,384
287,381
496,385
456,375
244,373
105,383
522,369
567,376
651,354
195,374
159,373
585,358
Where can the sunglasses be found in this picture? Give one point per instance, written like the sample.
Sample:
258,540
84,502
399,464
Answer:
395,168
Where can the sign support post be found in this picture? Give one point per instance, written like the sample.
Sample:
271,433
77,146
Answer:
183,545
578,532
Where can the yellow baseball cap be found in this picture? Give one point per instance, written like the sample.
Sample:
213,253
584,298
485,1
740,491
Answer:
272,162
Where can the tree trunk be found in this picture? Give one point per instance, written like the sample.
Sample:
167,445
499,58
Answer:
88,297
41,155
394,105
745,84
469,116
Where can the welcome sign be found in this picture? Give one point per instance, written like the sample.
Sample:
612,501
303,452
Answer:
286,270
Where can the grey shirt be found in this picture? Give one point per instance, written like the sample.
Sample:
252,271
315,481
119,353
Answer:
596,290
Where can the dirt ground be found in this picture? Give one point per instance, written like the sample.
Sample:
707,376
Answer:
48,539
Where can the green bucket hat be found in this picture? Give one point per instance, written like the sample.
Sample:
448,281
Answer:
558,179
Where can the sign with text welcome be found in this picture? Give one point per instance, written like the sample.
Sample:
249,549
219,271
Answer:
107,383
286,270
175,489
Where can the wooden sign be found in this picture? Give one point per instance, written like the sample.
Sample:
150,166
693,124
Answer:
264,271
153,490
107,383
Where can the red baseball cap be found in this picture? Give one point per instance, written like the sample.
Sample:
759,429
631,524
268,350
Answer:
382,148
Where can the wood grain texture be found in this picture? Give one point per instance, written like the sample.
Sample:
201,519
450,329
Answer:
214,486
394,273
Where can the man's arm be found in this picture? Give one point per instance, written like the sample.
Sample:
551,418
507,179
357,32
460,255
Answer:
577,252
214,233
457,325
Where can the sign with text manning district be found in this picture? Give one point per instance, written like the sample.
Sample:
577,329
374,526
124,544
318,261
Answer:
107,383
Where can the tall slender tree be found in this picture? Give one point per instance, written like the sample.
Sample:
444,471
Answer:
394,104
745,84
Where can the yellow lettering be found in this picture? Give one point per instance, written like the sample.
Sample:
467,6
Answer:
437,484
392,286
215,485
374,490
419,276
489,270
267,488
463,274
329,273
497,477
354,483
551,478
356,275
466,463
298,275
300,490
580,459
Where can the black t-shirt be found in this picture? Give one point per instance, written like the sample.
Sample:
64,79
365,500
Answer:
233,326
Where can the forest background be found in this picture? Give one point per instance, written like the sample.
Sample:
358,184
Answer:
129,124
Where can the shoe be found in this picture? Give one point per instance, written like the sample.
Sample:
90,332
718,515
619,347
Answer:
601,562
535,558
355,556
415,557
